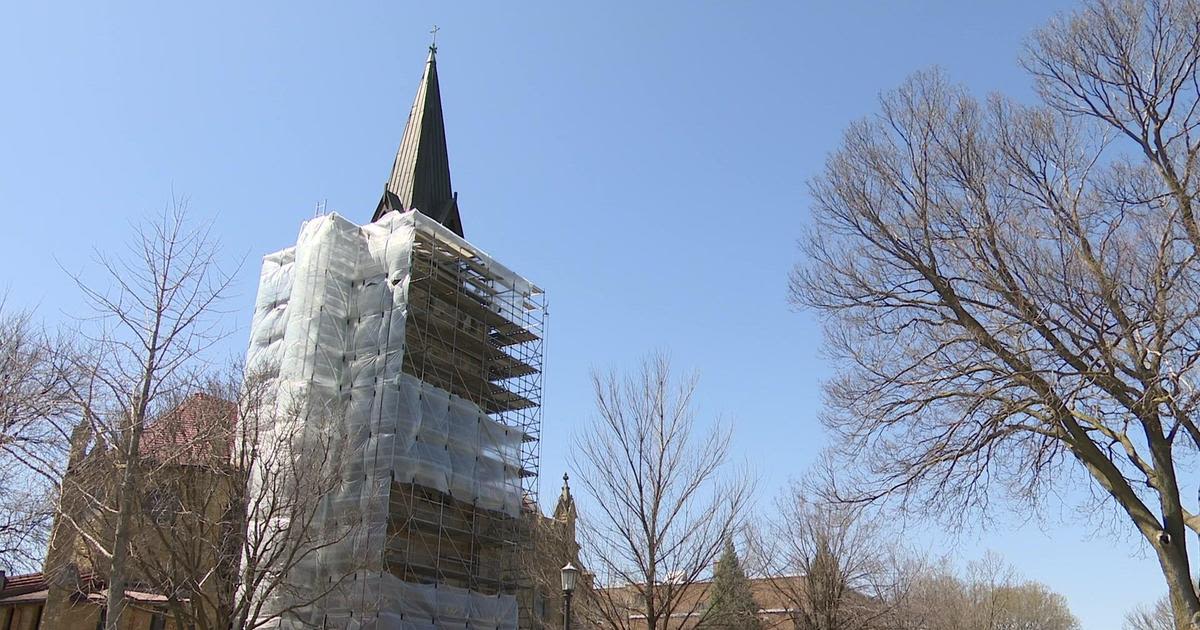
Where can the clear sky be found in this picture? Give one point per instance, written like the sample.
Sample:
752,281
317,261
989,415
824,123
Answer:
645,163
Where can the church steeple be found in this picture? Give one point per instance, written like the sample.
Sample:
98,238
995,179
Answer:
421,173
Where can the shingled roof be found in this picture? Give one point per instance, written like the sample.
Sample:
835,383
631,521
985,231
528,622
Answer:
14,585
421,173
198,432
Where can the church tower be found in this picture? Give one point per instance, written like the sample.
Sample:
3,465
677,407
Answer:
424,355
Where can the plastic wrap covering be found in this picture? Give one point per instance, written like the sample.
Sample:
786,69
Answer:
329,335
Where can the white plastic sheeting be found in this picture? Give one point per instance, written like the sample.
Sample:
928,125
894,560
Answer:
405,605
328,330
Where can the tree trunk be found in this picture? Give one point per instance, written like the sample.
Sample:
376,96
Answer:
1184,603
127,502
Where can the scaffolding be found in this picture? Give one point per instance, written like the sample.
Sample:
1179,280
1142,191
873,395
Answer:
434,352
476,333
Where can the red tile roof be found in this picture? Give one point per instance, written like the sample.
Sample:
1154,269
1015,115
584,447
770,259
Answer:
197,432
21,584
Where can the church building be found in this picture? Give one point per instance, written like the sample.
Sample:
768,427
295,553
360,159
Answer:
416,358
427,353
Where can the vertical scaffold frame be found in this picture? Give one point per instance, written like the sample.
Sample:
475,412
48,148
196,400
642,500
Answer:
475,330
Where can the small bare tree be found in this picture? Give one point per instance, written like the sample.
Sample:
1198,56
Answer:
234,495
1157,616
834,566
201,487
664,506
296,459
1012,293
185,540
990,596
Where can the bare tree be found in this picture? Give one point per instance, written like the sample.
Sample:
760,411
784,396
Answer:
186,536
297,460
1030,606
936,599
1157,616
234,495
998,600
834,566
989,597
152,315
664,506
183,480
1011,293
1131,66
34,437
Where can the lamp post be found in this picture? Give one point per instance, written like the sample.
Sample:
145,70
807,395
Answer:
569,574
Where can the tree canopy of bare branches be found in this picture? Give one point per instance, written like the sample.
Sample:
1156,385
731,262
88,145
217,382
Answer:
233,495
1156,616
834,566
988,597
664,505
1010,291
153,312
297,461
188,478
34,434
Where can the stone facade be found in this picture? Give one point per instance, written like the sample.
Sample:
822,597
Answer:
554,545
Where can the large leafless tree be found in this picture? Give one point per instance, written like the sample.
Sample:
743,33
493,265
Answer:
1011,291
153,311
190,479
664,500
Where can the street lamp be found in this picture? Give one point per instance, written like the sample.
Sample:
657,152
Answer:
569,574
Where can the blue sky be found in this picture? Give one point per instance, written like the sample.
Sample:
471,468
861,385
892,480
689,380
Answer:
643,162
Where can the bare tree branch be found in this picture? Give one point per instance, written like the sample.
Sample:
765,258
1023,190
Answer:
664,507
1011,294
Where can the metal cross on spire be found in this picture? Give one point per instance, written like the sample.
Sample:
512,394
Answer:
433,39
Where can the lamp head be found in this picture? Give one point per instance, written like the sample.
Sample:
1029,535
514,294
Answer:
569,574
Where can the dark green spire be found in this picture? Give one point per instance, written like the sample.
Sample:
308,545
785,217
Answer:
421,173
